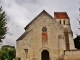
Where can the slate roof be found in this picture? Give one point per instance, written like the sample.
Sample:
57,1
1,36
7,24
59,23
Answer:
23,35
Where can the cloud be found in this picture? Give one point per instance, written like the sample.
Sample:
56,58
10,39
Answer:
21,12
8,19
10,33
28,1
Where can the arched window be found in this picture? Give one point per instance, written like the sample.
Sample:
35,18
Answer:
44,36
45,55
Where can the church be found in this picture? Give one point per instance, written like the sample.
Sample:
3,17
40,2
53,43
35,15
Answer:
47,38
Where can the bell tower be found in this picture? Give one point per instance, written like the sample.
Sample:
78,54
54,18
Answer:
64,20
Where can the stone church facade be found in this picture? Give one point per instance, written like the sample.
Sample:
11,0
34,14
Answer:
47,38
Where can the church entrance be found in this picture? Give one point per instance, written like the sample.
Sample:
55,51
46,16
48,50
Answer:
45,55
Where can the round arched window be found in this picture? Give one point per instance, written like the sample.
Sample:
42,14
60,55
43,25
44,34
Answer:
44,29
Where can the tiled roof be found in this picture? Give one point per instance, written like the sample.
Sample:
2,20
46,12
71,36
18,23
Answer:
59,15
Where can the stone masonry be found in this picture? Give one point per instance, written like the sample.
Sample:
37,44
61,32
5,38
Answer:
47,38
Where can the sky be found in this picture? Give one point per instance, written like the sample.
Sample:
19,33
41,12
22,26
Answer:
20,13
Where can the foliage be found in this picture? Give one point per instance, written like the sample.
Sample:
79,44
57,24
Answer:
7,52
77,42
3,22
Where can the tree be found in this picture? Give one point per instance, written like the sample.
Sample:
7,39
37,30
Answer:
3,22
77,42
77,39
7,52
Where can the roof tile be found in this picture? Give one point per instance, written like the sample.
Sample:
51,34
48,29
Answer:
59,15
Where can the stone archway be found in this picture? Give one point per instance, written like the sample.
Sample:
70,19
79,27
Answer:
45,55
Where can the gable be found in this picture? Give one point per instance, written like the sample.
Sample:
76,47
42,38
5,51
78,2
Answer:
38,16
43,19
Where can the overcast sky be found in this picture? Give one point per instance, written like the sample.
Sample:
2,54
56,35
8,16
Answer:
20,12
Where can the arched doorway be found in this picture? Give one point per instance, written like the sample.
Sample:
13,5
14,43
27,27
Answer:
45,55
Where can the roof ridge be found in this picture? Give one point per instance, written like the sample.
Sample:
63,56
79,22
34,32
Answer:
36,17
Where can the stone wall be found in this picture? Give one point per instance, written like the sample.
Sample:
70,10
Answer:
72,55
55,39
55,45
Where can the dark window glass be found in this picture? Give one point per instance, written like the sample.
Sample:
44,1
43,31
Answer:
44,29
64,22
19,58
60,22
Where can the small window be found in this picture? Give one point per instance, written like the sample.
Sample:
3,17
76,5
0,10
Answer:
60,22
44,29
64,22
19,58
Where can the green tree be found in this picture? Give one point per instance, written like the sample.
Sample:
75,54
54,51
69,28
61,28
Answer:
77,42
3,22
7,52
